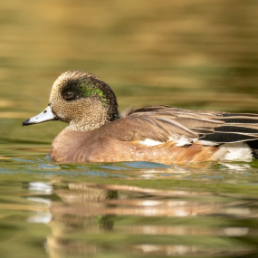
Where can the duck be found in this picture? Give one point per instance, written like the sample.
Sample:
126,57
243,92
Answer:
97,132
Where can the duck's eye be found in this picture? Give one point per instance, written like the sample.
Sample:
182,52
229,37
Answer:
69,95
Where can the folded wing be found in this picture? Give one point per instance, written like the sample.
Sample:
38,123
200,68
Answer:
165,123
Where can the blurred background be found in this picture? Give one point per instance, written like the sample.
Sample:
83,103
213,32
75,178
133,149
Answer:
189,53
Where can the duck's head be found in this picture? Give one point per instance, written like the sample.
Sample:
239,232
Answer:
80,99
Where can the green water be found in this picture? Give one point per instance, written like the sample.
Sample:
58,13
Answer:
190,54
127,209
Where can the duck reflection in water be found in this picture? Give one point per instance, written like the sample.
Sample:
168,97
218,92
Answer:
89,219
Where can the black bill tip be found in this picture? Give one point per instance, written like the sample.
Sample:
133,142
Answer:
27,122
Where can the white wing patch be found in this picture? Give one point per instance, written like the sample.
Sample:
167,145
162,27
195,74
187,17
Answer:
206,143
149,142
179,141
182,141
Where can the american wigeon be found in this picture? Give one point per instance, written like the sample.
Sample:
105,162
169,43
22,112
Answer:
98,133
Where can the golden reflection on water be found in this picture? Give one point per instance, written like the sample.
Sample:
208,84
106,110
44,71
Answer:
87,221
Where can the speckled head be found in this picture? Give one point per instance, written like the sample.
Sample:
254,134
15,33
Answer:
82,100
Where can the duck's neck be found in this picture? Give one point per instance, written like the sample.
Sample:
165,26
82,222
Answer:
85,127
95,115
89,123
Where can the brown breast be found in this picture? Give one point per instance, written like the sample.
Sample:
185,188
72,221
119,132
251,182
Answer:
99,146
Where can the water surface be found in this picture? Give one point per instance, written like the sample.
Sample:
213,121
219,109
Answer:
190,54
129,209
